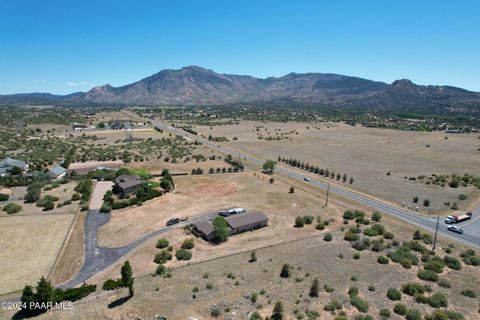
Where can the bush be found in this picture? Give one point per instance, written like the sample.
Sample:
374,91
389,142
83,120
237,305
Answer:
428,275
383,260
356,256
161,269
470,258
162,243
462,196
394,294
438,300
444,283
188,244
67,202
4,197
359,303
452,263
444,315
333,305
12,208
384,313
413,314
320,226
469,293
163,256
353,291
106,207
388,235
413,288
327,237
400,309
403,256
434,265
183,254
376,216
112,284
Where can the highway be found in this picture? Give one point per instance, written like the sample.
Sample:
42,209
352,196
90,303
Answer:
470,237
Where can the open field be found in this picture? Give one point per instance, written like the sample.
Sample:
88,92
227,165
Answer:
367,154
29,247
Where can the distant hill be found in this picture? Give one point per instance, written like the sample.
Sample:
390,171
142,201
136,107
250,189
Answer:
198,86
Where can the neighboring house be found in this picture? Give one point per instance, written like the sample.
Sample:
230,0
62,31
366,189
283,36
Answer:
8,164
57,172
127,184
237,223
205,230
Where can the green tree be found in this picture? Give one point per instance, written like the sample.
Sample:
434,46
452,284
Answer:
166,184
220,228
27,297
426,203
127,277
292,189
44,291
269,165
277,311
285,273
314,289
415,199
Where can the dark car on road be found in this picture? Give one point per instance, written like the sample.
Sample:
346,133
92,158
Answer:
455,229
173,221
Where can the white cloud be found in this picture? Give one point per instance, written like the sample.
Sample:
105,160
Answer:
71,84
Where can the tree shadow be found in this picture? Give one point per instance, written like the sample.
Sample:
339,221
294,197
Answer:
118,302
24,314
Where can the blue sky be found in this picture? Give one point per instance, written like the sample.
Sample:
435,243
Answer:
67,46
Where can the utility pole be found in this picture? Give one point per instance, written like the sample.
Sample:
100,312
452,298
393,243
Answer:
328,190
436,231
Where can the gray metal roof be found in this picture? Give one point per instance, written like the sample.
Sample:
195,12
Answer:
9,162
58,170
244,219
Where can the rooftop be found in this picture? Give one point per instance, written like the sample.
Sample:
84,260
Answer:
239,220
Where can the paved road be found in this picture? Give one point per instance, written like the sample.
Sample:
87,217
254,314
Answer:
471,234
98,258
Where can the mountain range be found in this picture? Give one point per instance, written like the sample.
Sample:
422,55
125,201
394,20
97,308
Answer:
194,85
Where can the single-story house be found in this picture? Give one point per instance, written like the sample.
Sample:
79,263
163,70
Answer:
127,184
205,230
246,222
8,164
57,172
237,223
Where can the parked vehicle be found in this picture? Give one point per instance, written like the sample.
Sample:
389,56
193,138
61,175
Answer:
306,179
184,218
458,218
236,210
455,229
223,213
173,221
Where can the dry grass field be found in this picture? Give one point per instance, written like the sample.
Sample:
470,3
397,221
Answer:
30,245
71,259
367,154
